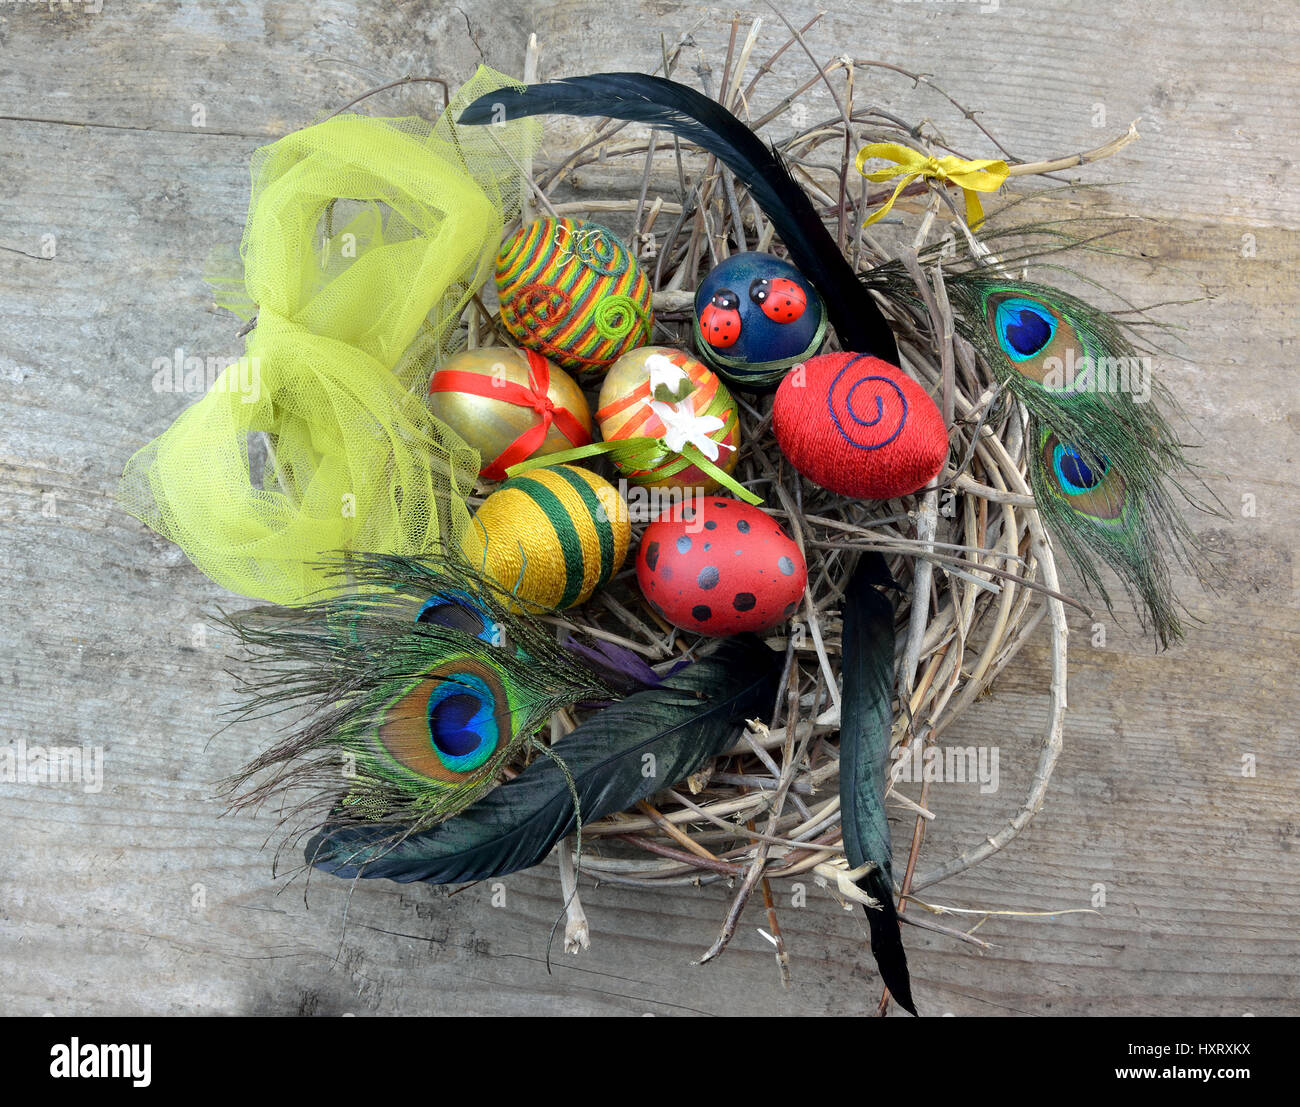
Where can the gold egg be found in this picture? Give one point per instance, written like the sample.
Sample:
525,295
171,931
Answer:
623,411
514,537
499,400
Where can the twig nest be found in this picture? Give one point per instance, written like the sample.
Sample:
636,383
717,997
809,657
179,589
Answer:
667,396
720,567
756,316
509,405
550,537
859,426
571,291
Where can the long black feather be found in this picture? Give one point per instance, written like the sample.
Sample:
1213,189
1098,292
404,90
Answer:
693,116
629,751
866,720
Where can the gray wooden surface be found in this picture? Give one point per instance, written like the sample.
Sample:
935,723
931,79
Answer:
139,898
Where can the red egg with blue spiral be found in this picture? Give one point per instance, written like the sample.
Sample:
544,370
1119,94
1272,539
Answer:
718,566
859,426
756,316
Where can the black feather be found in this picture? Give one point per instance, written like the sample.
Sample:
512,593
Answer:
866,720
692,716
690,115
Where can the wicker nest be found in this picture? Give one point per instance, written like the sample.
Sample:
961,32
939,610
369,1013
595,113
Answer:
971,552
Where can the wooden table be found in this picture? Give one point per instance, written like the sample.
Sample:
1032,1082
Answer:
126,133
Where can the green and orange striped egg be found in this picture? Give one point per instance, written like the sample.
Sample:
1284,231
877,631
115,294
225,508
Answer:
571,291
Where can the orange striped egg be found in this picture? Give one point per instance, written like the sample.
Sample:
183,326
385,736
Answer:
679,381
571,291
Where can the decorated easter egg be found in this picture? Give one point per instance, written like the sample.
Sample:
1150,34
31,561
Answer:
756,316
571,291
509,405
666,395
859,426
550,537
720,567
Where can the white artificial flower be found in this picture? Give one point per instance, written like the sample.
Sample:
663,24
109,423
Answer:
683,426
666,374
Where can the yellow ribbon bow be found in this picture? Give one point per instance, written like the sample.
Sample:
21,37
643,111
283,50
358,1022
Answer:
971,177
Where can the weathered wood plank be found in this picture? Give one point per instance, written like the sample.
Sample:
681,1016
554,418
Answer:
140,899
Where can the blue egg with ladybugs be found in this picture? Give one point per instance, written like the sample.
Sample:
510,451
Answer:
756,316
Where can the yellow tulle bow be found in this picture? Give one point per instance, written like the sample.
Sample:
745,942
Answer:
972,177
366,239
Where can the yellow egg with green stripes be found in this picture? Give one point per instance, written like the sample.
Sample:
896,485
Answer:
570,290
550,537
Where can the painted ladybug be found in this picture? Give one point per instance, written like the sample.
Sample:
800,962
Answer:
720,321
752,338
720,567
781,299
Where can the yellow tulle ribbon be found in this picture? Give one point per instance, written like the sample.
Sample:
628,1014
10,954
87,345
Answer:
365,240
972,177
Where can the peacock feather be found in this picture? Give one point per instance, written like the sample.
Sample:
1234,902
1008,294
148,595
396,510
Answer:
418,686
1101,454
628,751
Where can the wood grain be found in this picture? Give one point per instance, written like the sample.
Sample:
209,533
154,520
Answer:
140,898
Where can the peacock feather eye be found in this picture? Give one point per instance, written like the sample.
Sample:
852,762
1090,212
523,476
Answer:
462,728
456,611
1074,472
1023,327
1039,342
1086,481
444,727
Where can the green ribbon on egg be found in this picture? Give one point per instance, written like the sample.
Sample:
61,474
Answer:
643,452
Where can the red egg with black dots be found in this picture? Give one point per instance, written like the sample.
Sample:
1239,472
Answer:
717,566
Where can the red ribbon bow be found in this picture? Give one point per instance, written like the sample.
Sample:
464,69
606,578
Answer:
534,396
